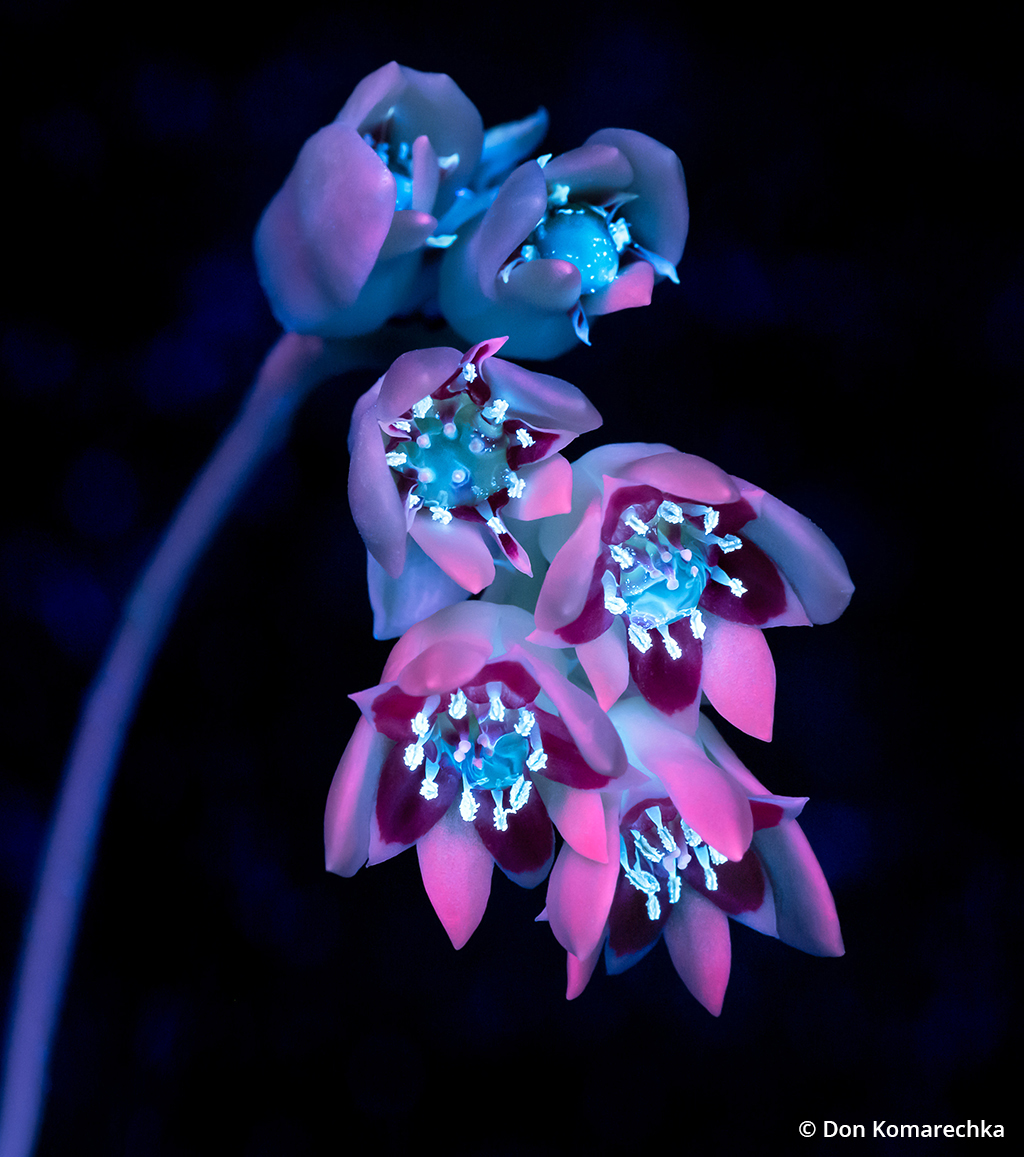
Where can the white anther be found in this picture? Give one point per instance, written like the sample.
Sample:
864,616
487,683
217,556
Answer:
640,638
469,372
716,856
558,195
670,511
457,707
623,556
423,407
468,807
704,859
516,485
446,164
730,543
614,605
633,521
402,424
396,458
497,711
697,625
543,160
648,851
619,231
428,788
413,756
524,437
538,760
691,837
526,721
673,648
737,587
500,814
654,814
710,519
519,793
420,725
441,514
495,523
674,883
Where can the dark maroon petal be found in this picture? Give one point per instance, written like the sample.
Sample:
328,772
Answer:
647,500
631,932
403,815
520,687
519,456
766,815
594,619
740,883
393,713
564,763
765,596
666,683
525,849
733,516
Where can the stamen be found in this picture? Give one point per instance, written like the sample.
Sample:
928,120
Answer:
495,410
623,556
710,520
524,436
737,587
670,511
559,195
704,859
396,458
619,232
516,485
441,514
497,711
423,407
468,807
458,705
500,811
469,372
495,523
697,624
649,852
413,756
730,543
423,441
519,793
526,721
538,760
639,638
420,725
428,788
633,522
673,648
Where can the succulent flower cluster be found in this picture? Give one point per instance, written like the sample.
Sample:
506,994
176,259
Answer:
551,724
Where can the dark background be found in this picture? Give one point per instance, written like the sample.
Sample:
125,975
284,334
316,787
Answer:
846,334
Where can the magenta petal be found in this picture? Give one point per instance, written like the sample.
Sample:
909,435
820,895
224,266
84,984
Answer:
579,817
631,289
543,401
579,972
631,931
376,504
805,555
739,676
765,601
697,938
456,870
421,589
593,172
409,232
580,893
458,549
546,283
741,884
412,377
525,849
805,912
350,800
519,205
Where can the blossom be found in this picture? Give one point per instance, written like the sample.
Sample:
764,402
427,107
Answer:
568,239
698,842
665,573
444,448
470,747
340,247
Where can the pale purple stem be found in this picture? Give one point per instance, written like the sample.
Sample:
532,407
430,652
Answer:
293,367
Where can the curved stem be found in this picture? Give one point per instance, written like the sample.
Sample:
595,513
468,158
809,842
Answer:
294,366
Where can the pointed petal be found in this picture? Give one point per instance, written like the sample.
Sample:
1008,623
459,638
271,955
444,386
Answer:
458,549
548,491
804,909
683,475
739,676
546,402
377,506
606,662
350,800
697,938
578,815
580,892
413,376
568,581
525,849
630,290
579,972
456,870
421,589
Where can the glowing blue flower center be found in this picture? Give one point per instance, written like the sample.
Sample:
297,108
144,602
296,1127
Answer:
493,748
662,845
455,453
663,569
583,235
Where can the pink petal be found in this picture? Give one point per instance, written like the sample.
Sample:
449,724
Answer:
543,401
684,475
805,912
804,553
421,589
519,205
478,624
442,667
426,176
578,815
350,800
567,582
708,799
579,972
739,676
630,290
546,283
458,549
606,662
548,490
412,377
697,938
593,172
409,232
456,870
580,893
